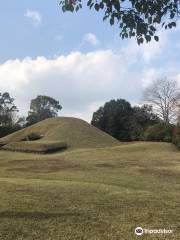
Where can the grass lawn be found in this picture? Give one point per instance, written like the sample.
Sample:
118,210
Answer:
93,194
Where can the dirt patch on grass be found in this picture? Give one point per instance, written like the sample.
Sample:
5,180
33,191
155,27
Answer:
38,215
105,165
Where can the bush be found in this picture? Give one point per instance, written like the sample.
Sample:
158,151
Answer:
176,136
159,132
6,130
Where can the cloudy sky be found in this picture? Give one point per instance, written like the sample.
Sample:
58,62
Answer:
76,58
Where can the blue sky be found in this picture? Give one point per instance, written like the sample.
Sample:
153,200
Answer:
76,58
58,33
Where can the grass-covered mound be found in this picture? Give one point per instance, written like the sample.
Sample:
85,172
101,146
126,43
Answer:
35,147
76,133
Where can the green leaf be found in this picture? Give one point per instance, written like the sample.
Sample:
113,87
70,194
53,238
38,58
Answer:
101,5
150,20
173,24
77,8
140,40
111,21
152,28
169,25
105,17
96,7
148,38
156,38
89,3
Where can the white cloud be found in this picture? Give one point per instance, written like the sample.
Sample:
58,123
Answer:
81,82
153,49
150,74
146,51
34,16
84,81
90,38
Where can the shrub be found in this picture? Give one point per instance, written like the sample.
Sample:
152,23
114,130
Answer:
6,130
176,136
159,132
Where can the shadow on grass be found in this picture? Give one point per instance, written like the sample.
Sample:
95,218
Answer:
38,215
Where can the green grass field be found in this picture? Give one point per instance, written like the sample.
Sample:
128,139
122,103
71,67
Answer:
90,193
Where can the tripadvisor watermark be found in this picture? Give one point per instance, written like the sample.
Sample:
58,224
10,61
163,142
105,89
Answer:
139,231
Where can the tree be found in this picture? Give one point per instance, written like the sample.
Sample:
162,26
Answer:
42,107
164,96
114,119
7,109
159,132
144,115
124,122
21,121
142,118
136,18
176,136
8,112
178,115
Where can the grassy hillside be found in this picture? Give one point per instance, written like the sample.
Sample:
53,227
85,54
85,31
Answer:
90,193
74,132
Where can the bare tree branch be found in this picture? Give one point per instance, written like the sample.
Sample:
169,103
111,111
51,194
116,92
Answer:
164,96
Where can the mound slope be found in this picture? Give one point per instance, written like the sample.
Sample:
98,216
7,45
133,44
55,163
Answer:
35,147
76,133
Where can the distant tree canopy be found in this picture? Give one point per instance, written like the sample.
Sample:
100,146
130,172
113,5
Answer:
122,121
8,116
42,107
114,118
142,118
136,18
7,109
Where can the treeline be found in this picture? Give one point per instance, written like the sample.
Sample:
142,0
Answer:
158,119
126,123
41,107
